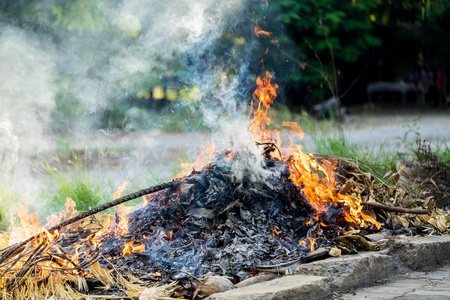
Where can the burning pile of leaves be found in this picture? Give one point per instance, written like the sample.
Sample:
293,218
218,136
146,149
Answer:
211,222
217,223
247,209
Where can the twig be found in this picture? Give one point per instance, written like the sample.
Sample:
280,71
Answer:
280,265
397,209
268,149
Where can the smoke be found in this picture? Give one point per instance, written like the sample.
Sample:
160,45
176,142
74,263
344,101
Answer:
26,95
138,46
64,64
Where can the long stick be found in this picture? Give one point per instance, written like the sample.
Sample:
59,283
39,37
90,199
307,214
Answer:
105,206
397,209
118,201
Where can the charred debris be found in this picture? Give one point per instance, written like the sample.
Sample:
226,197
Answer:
239,215
234,214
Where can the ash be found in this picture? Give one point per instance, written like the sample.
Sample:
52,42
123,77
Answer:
217,223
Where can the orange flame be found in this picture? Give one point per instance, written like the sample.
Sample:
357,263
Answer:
129,248
117,194
258,31
202,159
169,236
316,179
308,243
265,93
121,215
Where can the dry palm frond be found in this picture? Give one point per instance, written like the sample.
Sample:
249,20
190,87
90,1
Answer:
393,191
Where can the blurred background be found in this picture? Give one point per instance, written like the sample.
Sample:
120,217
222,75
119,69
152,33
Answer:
95,93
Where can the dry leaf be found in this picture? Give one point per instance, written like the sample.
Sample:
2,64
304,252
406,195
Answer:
427,201
335,252
404,174
416,221
402,221
150,294
431,205
357,241
425,218
346,187
432,221
434,183
441,223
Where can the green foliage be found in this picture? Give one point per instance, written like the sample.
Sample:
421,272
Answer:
85,190
328,33
79,15
9,199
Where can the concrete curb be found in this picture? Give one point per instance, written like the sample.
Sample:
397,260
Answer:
317,280
350,271
288,287
422,253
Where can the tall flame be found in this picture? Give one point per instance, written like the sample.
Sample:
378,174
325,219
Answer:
316,179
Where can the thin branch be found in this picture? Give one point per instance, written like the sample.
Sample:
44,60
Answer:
322,70
397,209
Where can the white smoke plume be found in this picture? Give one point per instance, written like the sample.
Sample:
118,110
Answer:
26,95
129,44
102,55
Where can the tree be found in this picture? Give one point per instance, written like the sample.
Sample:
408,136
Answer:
328,34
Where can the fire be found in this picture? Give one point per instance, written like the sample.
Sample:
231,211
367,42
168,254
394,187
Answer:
121,226
274,231
308,243
120,190
316,179
259,31
47,240
203,159
129,248
265,93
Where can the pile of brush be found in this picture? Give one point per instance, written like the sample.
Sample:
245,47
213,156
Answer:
238,215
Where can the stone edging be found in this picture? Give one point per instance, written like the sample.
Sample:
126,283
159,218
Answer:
318,280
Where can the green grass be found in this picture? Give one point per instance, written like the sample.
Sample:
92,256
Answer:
87,191
9,199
